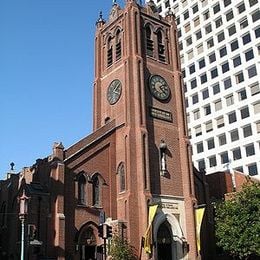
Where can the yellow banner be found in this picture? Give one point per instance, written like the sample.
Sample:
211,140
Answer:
199,213
152,212
148,237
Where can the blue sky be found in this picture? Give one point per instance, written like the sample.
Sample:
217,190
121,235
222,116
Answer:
46,75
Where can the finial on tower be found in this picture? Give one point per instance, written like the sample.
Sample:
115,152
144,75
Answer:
169,14
12,166
169,11
100,15
100,20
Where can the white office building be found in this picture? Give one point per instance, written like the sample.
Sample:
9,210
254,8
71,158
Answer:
220,56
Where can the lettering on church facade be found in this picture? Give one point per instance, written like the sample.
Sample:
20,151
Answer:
161,114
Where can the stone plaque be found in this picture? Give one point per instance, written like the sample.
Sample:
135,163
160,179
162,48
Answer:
161,114
168,205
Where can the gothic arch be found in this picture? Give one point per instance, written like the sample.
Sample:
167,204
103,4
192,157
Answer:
118,43
108,37
117,30
176,232
84,226
103,181
149,31
81,173
161,44
149,39
109,50
87,240
160,35
148,24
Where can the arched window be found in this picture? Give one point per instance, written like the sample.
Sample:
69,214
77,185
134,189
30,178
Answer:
81,190
161,47
118,45
96,191
109,52
121,174
149,41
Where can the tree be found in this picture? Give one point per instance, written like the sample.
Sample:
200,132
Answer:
121,250
238,223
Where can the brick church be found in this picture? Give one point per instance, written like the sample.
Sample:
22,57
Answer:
137,156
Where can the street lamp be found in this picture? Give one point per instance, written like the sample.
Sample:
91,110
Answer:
23,201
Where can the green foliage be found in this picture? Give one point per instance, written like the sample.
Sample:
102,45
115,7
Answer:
238,223
121,250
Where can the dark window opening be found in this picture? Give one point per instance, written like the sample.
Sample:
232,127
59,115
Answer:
224,158
118,46
252,169
237,154
216,89
149,42
212,161
234,45
250,150
246,38
232,117
201,164
234,135
202,63
109,52
161,48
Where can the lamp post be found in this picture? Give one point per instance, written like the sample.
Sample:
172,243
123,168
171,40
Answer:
23,201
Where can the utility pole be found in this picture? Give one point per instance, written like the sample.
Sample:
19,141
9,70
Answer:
22,238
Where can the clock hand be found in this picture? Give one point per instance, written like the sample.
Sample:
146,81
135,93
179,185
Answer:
117,86
163,89
116,92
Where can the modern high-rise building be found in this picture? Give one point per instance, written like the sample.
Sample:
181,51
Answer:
219,43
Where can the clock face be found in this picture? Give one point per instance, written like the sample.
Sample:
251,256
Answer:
114,91
159,87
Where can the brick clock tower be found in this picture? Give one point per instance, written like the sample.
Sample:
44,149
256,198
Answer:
138,85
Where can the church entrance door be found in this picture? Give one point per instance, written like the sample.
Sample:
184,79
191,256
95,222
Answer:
88,253
164,242
87,243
